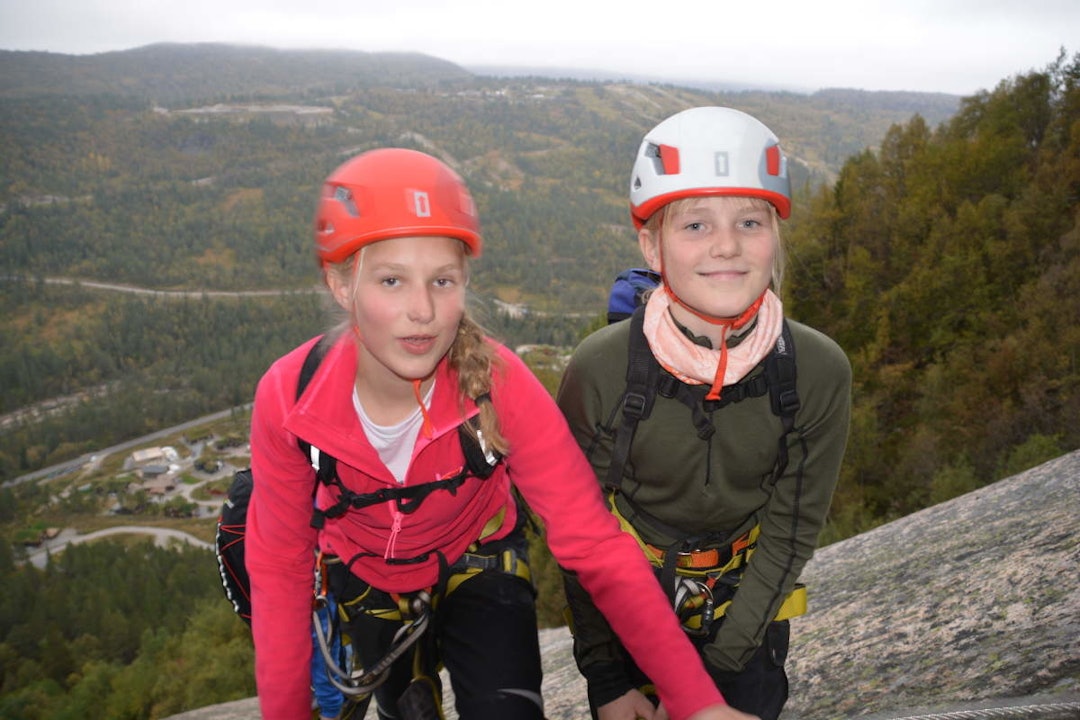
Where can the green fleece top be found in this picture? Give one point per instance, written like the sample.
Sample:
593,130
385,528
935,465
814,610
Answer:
716,485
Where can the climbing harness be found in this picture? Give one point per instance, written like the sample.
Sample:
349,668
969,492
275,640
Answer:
701,574
364,681
414,610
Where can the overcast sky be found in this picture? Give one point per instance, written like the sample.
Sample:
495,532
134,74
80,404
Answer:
954,46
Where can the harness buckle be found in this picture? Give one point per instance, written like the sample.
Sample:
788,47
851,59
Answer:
634,405
788,400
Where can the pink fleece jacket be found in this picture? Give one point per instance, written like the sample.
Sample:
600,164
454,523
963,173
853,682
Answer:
544,462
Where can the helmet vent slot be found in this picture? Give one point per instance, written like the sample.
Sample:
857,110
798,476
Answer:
345,197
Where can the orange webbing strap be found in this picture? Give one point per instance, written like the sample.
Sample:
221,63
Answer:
695,563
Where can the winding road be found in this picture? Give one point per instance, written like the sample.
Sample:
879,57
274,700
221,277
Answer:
175,293
162,537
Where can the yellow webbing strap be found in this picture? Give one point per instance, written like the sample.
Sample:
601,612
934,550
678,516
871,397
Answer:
509,562
628,528
692,564
793,606
493,524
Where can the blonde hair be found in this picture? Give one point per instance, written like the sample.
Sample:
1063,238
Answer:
475,361
471,356
658,223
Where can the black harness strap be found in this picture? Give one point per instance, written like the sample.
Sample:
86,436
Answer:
642,372
480,463
781,375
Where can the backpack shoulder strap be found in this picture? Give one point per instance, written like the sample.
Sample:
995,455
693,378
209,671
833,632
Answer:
480,459
311,364
780,373
325,465
642,375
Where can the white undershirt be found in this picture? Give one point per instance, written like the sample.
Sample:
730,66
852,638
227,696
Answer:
394,443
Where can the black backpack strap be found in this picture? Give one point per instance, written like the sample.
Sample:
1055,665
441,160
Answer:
324,464
645,379
480,460
781,375
693,397
311,364
642,372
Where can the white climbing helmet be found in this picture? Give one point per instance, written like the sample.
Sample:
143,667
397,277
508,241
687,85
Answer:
708,151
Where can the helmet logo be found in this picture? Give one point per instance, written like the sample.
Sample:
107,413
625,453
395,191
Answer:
721,164
421,204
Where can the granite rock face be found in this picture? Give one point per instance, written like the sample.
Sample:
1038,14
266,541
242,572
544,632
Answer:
972,599
967,605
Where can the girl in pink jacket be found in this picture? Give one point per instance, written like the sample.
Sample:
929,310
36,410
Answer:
425,556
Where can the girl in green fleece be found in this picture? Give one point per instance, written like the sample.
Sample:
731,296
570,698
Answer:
723,463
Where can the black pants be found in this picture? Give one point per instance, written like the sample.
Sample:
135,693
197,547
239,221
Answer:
760,688
484,633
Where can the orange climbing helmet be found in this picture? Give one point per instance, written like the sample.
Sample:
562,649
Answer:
390,193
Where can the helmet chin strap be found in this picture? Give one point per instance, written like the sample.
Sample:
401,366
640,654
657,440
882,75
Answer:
735,323
726,325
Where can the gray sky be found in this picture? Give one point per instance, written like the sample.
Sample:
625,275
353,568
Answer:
954,46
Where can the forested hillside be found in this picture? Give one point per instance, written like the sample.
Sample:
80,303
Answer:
938,246
947,264
196,168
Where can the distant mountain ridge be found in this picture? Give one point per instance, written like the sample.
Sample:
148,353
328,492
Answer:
589,74
820,129
172,70
726,85
168,71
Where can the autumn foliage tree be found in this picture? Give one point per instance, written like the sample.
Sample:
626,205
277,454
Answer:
947,264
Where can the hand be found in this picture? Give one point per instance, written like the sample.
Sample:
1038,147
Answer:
631,706
715,712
